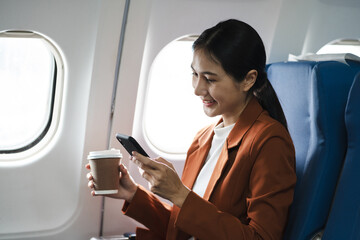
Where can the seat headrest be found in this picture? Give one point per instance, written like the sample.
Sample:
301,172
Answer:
340,57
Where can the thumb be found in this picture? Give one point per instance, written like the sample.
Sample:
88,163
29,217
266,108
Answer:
123,170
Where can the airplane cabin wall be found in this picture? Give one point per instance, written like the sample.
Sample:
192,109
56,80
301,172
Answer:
305,26
46,195
331,20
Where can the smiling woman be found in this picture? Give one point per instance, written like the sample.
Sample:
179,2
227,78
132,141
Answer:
239,174
220,93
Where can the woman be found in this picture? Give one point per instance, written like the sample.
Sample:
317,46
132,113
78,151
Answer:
239,175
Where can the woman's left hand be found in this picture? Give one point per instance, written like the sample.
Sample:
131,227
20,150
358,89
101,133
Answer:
162,177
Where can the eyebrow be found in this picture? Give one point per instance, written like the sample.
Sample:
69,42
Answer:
206,72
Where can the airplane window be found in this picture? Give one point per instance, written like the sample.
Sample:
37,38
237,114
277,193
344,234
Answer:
27,88
342,46
173,113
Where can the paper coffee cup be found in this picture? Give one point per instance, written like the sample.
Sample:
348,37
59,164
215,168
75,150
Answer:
105,170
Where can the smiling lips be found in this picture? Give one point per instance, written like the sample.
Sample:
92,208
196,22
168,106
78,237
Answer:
209,103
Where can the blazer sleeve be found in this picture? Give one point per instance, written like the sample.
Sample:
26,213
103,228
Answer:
271,187
149,211
272,184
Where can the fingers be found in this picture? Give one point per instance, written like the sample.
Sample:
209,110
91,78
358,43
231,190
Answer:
90,179
91,184
123,171
148,177
144,165
156,171
152,169
89,176
163,161
142,160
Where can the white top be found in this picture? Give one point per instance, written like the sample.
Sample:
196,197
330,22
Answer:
221,133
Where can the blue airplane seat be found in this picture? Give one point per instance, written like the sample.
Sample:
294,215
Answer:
313,96
344,218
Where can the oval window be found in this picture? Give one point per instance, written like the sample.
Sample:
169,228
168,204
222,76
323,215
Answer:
342,46
173,113
28,77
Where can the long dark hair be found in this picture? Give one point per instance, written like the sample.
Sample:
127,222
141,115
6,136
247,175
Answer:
239,49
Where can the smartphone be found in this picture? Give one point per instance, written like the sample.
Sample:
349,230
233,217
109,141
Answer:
130,144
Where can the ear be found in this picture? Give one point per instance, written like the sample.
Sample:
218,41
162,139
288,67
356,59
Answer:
250,79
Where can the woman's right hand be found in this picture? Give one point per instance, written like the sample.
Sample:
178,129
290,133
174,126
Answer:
127,186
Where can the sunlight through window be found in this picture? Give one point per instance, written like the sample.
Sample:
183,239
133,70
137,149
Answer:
342,46
26,91
173,113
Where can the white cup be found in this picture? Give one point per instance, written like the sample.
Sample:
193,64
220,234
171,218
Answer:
105,170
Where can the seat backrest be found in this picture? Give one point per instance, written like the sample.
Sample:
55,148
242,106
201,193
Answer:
344,218
313,96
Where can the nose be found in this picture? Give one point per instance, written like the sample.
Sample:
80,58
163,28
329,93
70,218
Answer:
199,86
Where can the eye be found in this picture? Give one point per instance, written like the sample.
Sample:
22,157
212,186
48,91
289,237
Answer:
194,74
210,80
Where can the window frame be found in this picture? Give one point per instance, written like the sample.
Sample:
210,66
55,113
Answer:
150,141
56,91
341,42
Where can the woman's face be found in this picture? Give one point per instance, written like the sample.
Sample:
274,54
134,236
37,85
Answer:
219,92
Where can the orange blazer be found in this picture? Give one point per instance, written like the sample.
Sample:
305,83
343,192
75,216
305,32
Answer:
249,192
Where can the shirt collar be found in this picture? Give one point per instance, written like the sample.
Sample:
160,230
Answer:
242,125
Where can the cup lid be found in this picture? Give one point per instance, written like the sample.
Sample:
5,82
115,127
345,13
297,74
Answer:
113,153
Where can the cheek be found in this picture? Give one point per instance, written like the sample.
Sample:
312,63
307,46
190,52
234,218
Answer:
226,96
218,94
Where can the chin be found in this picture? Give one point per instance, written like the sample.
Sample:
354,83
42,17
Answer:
211,114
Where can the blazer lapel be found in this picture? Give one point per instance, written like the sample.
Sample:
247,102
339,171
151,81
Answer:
223,158
245,121
197,158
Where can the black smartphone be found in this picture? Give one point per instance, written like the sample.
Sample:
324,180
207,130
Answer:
130,144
